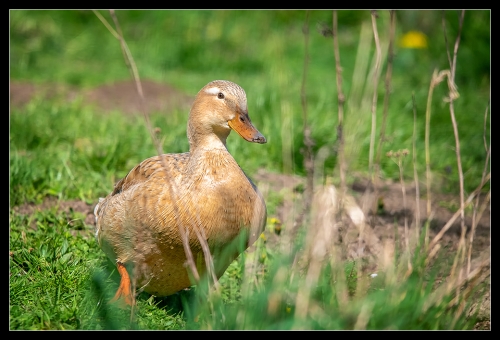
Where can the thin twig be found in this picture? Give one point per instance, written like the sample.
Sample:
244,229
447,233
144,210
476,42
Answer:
453,66
455,216
407,235
378,57
457,43
341,101
436,79
129,59
388,77
398,158
427,151
486,147
445,37
135,74
106,24
438,295
415,172
308,141
184,232
319,245
314,256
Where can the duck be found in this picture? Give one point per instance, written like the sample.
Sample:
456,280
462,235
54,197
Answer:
178,216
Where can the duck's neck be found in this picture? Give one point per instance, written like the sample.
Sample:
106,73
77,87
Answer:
201,138
210,142
211,159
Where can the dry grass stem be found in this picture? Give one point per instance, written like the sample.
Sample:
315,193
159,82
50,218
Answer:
398,158
415,172
427,152
437,77
376,75
356,103
407,234
319,244
451,76
308,142
453,63
455,216
444,290
364,316
341,100
184,232
388,77
486,147
463,298
129,61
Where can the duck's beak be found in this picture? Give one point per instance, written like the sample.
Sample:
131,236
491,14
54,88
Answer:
244,127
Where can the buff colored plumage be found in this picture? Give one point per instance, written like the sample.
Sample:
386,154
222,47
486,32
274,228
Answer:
200,193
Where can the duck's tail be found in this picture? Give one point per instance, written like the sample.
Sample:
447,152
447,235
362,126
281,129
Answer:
96,215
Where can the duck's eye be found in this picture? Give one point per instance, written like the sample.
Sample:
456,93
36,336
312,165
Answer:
220,95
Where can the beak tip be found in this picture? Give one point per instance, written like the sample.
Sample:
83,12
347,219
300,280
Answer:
260,139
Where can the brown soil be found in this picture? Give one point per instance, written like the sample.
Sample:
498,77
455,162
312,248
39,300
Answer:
123,96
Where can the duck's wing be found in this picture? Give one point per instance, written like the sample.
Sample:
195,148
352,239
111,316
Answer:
168,165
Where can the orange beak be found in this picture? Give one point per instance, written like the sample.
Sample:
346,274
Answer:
244,127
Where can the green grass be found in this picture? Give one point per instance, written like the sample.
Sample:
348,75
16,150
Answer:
49,270
52,153
59,279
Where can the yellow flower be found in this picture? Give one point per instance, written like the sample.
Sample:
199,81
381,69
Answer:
273,220
276,223
413,39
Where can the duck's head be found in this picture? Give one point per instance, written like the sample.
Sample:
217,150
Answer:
219,107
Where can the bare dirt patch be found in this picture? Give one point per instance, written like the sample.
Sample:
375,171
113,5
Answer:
52,202
121,96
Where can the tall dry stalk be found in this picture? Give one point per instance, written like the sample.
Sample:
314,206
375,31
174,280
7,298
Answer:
319,245
398,158
341,101
376,75
437,77
129,61
184,232
357,104
306,130
387,83
453,66
427,149
388,77
415,172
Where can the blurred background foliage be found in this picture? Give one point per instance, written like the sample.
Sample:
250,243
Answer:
263,51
